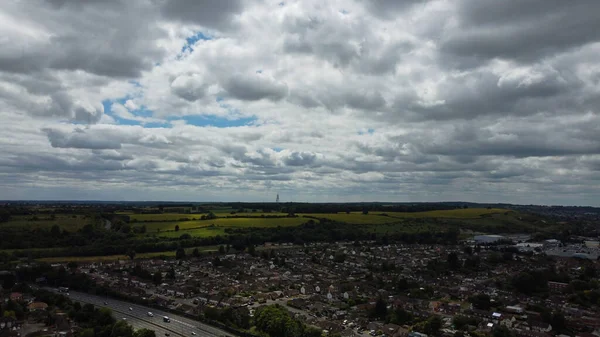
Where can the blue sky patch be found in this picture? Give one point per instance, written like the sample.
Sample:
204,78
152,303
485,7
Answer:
215,121
368,132
190,41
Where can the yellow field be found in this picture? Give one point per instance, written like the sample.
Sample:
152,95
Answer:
224,223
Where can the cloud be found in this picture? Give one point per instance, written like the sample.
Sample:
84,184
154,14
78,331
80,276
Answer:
190,88
345,100
522,31
299,158
79,139
253,87
205,13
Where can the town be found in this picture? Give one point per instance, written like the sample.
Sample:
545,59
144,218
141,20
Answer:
488,284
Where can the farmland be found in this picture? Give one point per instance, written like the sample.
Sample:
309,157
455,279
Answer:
65,221
79,232
224,223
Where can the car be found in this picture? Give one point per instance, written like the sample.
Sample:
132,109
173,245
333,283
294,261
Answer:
105,303
167,334
150,314
193,333
130,309
124,318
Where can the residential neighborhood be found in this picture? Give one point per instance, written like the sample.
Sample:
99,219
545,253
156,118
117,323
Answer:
367,288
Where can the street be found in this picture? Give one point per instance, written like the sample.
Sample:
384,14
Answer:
138,317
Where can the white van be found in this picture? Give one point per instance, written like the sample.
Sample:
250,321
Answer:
150,314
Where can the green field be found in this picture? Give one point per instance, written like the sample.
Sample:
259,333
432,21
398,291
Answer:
355,218
106,258
216,226
68,222
376,218
195,216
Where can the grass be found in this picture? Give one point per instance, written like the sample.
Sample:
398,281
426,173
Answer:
106,258
164,216
468,213
376,218
68,222
152,227
355,218
195,232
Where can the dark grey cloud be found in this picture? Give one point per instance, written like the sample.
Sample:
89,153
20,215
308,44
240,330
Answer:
253,87
521,30
207,13
101,38
389,9
79,139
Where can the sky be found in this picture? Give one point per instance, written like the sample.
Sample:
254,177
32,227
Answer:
319,101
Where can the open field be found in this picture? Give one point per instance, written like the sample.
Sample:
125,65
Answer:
152,227
194,216
68,222
355,218
107,258
467,213
379,218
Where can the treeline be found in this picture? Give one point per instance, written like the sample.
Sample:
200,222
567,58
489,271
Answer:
340,208
95,240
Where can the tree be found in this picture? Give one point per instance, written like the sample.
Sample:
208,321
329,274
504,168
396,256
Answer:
251,249
401,316
276,321
502,331
157,278
180,254
177,228
431,326
468,250
72,266
453,261
558,322
196,252
89,332
144,333
55,231
481,301
122,329
131,253
380,310
221,249
461,322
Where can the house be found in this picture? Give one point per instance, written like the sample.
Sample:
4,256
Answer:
17,297
539,326
390,329
332,327
558,287
37,306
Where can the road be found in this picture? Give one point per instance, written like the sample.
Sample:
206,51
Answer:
138,317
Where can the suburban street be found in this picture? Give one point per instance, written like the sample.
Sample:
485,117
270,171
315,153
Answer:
138,317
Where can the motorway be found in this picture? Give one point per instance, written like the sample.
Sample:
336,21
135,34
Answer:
138,317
